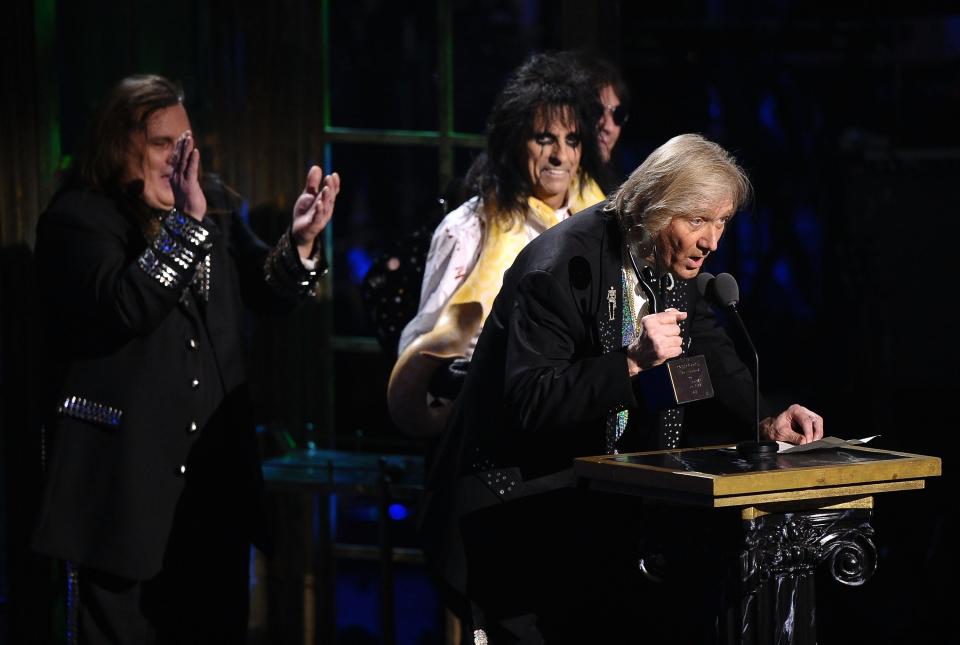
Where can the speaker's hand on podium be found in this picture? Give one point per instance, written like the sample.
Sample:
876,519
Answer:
796,424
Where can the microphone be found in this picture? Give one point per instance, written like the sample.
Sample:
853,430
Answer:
705,285
724,291
727,291
721,290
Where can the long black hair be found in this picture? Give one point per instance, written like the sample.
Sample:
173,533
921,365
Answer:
599,73
546,86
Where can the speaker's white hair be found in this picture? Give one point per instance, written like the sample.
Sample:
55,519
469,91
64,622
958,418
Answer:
686,176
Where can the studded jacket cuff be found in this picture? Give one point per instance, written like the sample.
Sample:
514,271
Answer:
174,253
287,274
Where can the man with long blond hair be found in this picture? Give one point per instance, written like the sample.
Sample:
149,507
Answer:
555,376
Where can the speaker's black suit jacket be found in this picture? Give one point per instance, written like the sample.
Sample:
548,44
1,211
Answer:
548,370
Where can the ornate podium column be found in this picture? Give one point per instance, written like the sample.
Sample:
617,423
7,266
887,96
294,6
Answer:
780,555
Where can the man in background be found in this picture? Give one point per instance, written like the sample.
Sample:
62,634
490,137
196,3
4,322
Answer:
537,170
153,482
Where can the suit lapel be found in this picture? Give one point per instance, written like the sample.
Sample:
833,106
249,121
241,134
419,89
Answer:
610,311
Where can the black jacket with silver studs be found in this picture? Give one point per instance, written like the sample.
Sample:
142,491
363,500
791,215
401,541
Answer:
147,339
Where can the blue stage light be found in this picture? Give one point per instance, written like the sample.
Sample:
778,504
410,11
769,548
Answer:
359,261
781,272
398,512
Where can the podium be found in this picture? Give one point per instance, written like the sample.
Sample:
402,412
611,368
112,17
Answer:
797,512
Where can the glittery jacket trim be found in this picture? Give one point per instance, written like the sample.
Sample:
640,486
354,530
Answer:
670,428
670,421
84,409
201,279
185,228
175,252
285,273
611,338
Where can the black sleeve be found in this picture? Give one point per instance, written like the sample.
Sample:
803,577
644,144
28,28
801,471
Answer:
551,383
271,279
101,275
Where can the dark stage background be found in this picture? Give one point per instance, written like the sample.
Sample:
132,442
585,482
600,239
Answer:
844,114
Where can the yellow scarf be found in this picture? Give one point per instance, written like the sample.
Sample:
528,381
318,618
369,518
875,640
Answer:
503,241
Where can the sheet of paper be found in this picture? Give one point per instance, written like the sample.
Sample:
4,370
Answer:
823,444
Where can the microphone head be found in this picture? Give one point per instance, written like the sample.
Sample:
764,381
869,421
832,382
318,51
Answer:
705,284
726,289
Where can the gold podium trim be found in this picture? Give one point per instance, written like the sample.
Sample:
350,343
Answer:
794,484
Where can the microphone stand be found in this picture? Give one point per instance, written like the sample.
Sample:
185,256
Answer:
753,449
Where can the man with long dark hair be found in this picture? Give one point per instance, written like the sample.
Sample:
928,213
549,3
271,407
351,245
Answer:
154,480
537,170
613,97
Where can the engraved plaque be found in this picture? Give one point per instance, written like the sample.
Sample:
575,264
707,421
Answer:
690,379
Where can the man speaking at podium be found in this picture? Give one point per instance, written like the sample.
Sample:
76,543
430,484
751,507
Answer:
557,374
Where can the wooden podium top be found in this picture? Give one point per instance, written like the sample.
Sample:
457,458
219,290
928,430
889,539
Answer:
718,476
